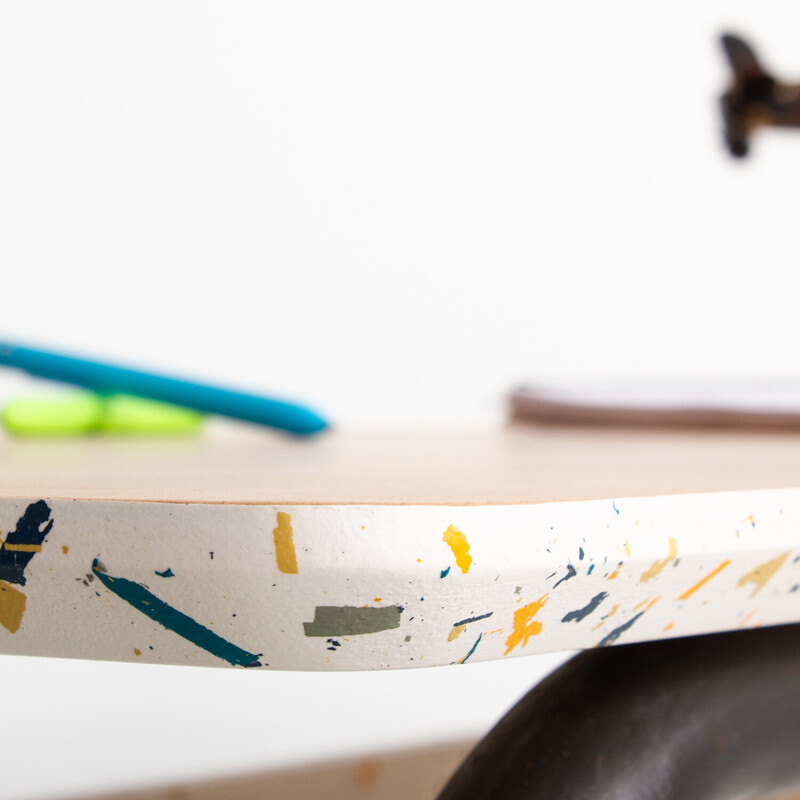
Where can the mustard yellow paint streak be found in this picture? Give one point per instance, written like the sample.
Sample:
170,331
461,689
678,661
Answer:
23,548
763,573
460,547
456,632
657,566
610,614
12,607
627,549
643,603
137,651
714,572
285,555
525,625
748,617
64,549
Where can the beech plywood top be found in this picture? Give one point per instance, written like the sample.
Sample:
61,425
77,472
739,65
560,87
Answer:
517,464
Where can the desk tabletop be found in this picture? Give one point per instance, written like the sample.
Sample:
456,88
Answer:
371,551
517,464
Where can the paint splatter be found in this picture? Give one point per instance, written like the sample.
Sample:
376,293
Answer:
703,581
472,649
167,573
285,555
352,620
151,606
657,566
445,573
456,632
460,547
614,506
571,573
137,651
581,613
24,542
64,549
580,554
473,619
763,573
525,625
617,632
627,549
589,571
12,607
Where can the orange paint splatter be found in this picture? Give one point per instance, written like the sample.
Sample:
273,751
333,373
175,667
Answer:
525,625
669,627
378,599
613,575
748,617
714,572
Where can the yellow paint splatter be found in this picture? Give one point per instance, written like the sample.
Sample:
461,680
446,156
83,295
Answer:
456,632
137,651
12,607
714,572
658,565
525,625
652,602
763,573
64,549
669,627
460,547
285,555
610,614
613,575
627,549
23,548
639,605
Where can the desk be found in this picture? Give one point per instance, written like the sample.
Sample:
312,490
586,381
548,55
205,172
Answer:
380,551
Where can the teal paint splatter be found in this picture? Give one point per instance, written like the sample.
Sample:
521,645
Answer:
445,573
472,649
173,620
590,569
614,506
167,573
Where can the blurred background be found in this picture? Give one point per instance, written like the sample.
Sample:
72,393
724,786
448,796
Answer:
397,212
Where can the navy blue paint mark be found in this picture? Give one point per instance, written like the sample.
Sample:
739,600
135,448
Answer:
796,559
472,650
445,573
614,506
591,567
580,554
579,614
571,573
617,632
550,576
167,573
173,620
794,588
472,619
30,532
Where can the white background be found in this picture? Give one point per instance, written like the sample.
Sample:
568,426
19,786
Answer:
395,211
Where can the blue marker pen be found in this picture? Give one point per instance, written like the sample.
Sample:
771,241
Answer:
107,378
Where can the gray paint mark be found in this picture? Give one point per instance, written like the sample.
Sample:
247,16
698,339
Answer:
352,620
617,632
571,573
579,614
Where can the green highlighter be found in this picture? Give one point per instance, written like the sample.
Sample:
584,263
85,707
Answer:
78,413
